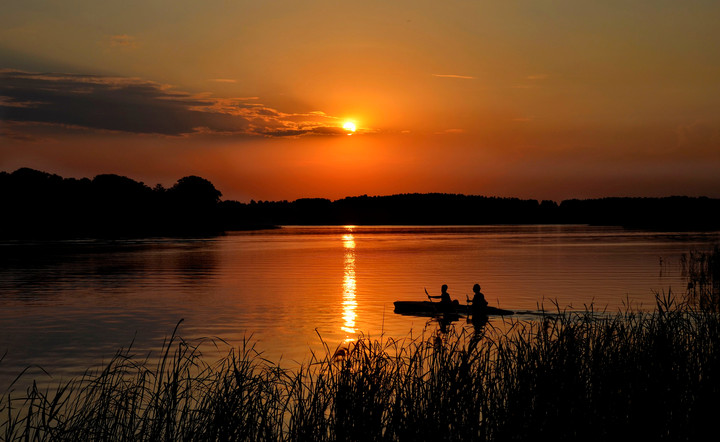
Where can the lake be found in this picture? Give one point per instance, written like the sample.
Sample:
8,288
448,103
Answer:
69,305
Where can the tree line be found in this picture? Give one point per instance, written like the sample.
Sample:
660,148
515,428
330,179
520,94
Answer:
37,204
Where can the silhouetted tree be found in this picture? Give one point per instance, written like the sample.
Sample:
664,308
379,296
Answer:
194,205
196,192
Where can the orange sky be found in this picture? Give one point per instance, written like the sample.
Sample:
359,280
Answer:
545,100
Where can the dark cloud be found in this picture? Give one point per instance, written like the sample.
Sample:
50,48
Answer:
319,130
329,130
143,107
106,103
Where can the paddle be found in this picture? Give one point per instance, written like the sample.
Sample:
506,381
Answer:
430,298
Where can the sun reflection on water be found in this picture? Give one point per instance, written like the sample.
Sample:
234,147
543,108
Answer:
349,302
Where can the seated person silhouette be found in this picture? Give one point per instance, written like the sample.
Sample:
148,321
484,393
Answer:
446,304
478,305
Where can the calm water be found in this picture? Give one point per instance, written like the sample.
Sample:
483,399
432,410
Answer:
67,306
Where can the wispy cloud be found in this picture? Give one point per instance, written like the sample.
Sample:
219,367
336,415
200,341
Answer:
531,81
12,102
14,131
223,80
450,131
460,77
139,106
123,41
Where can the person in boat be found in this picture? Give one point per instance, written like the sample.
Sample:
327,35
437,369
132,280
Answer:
478,305
446,304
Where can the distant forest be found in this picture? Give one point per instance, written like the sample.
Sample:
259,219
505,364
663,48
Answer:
37,204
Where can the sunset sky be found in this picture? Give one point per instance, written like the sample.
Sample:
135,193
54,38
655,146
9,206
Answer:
544,99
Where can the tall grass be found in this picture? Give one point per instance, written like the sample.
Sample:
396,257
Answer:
702,271
570,376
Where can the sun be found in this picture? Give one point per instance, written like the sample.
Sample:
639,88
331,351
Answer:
349,126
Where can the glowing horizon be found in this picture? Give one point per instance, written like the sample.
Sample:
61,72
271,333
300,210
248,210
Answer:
576,101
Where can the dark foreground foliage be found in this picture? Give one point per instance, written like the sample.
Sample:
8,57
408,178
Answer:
589,376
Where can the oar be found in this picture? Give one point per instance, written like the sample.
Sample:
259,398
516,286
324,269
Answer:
431,301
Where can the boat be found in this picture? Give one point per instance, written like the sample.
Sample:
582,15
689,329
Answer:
427,308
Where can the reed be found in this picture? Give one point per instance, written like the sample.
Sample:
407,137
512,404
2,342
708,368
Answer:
701,269
569,376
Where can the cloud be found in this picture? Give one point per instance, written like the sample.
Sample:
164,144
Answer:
10,102
123,41
223,80
134,105
532,81
461,77
450,131
11,132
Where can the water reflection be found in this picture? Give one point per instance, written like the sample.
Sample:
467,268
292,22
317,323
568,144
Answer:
349,285
64,306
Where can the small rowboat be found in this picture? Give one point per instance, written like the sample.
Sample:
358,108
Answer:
426,308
